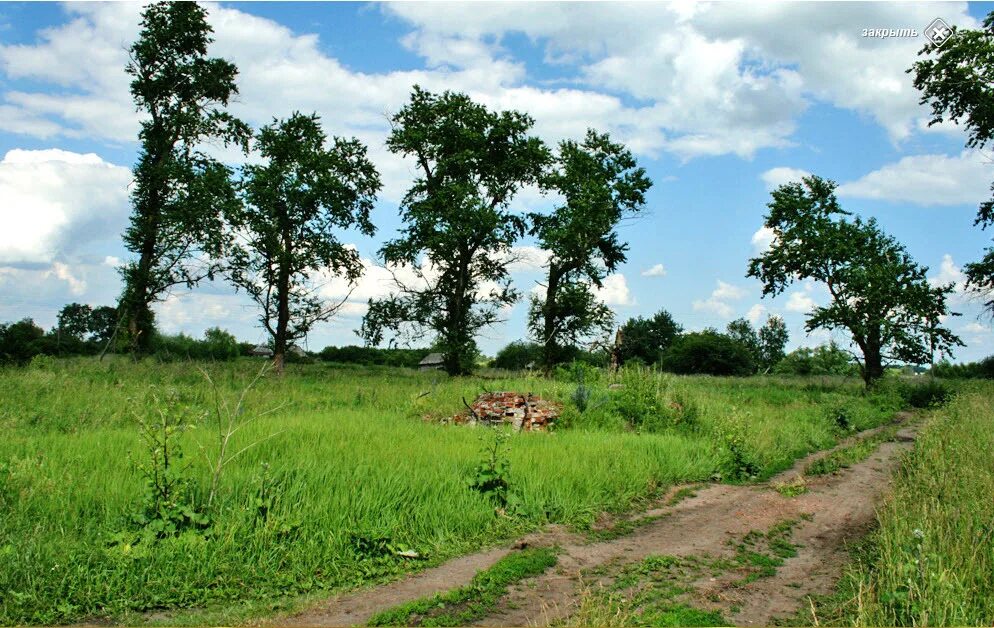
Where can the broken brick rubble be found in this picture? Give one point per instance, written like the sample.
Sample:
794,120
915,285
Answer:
524,411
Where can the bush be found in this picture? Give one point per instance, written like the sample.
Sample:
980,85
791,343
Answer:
929,394
370,356
518,355
823,360
21,341
637,401
217,345
971,370
708,353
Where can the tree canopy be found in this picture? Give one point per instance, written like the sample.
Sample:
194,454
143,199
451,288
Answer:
601,184
958,85
293,205
879,294
645,339
180,195
455,243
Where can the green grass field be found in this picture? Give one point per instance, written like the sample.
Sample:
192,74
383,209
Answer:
931,561
359,471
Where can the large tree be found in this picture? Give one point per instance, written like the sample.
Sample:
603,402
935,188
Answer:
600,184
74,321
879,294
180,194
455,243
958,84
294,203
646,339
765,344
773,337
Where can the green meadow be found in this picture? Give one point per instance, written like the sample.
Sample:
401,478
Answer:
338,477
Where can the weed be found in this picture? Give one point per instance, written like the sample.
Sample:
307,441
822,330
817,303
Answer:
168,505
490,477
792,488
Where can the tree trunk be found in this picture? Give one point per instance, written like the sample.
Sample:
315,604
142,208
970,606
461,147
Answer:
873,368
550,341
456,335
282,316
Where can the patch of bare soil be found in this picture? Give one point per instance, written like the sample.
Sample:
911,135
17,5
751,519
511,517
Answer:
836,508
358,607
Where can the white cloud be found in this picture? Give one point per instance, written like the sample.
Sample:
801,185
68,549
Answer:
975,328
614,291
727,292
755,313
528,259
64,273
775,177
949,273
713,306
725,78
717,302
762,239
655,271
55,200
799,301
927,180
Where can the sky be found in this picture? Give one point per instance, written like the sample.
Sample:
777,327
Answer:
719,102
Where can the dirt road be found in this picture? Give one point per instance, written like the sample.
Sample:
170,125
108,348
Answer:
835,508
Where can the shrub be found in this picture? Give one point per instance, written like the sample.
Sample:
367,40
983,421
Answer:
929,394
370,356
971,370
708,353
823,360
21,341
217,345
637,401
647,338
518,355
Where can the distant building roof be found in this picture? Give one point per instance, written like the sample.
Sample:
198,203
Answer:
432,359
262,350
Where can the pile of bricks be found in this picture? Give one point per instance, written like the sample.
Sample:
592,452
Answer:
524,411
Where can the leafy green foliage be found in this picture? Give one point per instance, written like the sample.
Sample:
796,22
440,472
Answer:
740,462
645,339
490,477
879,294
180,195
21,341
957,85
518,355
601,184
217,344
708,353
294,204
826,359
458,230
353,354
168,505
983,369
930,393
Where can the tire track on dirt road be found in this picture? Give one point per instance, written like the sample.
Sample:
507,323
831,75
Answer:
835,509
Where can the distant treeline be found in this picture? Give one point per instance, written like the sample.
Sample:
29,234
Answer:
370,356
971,370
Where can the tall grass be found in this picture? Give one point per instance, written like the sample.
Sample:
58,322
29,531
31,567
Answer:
931,563
357,454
